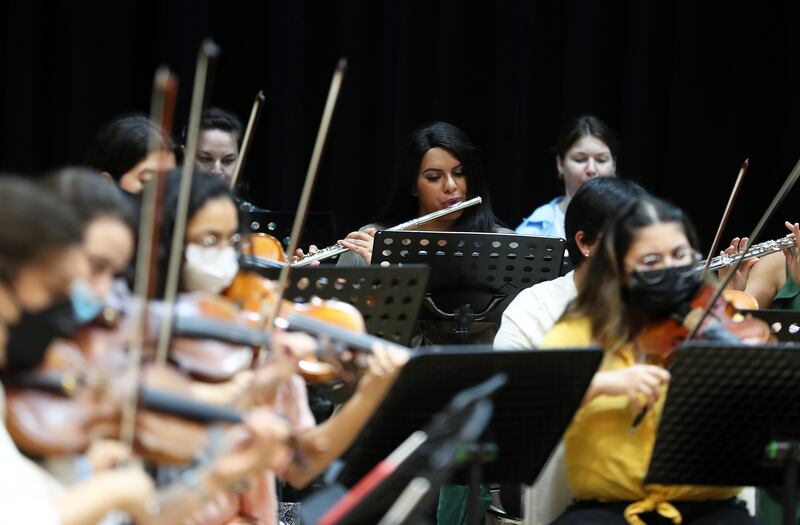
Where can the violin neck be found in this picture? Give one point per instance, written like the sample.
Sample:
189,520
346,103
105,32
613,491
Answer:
205,328
48,382
186,408
355,341
152,399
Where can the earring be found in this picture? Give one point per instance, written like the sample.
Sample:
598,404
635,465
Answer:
586,254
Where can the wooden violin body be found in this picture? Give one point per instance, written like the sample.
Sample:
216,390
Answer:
660,339
44,421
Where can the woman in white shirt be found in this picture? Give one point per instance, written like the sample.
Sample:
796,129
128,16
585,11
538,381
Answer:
586,148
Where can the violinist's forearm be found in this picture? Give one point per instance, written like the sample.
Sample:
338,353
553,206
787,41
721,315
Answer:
598,386
766,278
337,433
181,502
245,390
220,394
88,502
264,387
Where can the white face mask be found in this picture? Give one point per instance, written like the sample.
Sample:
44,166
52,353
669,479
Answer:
208,268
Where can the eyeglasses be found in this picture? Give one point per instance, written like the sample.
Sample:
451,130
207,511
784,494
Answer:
652,266
656,261
212,239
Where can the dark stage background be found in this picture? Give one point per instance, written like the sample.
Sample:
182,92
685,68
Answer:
692,88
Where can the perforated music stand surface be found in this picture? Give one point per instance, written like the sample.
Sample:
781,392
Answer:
531,411
724,406
388,298
319,227
787,334
472,268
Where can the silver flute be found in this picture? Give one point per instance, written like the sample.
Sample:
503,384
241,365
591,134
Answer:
757,250
331,251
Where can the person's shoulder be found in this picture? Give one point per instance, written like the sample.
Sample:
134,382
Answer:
564,284
547,210
541,220
547,296
559,284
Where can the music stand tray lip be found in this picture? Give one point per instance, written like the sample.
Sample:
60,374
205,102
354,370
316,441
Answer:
488,234
482,349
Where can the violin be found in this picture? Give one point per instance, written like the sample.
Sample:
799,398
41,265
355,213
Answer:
661,338
314,369
73,398
214,339
61,409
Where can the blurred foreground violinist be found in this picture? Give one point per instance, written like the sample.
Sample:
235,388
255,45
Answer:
209,266
40,258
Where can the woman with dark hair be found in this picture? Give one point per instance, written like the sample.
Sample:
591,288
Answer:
209,265
121,151
40,256
641,271
108,217
212,234
440,167
218,143
536,309
586,148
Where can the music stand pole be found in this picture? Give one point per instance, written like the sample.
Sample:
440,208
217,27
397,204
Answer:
790,485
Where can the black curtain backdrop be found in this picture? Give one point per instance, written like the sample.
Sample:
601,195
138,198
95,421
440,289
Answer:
692,88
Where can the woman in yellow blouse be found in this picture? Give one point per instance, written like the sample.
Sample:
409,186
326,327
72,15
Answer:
641,271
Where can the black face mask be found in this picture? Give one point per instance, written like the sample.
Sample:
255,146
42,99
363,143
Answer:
660,292
29,339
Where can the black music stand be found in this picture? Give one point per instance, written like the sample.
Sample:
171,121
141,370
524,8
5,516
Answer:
785,324
727,406
429,455
319,227
531,411
474,276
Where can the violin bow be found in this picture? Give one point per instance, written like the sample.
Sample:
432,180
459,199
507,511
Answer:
726,214
205,59
776,201
255,115
311,175
162,111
